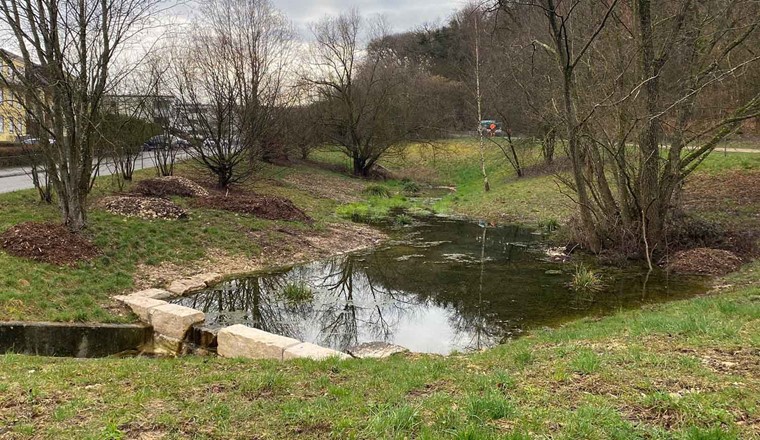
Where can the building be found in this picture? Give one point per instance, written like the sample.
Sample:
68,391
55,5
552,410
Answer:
154,108
13,120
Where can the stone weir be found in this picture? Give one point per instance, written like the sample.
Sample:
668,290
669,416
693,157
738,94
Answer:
174,325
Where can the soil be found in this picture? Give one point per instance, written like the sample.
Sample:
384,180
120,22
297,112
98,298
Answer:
266,207
169,186
143,207
704,261
280,247
47,243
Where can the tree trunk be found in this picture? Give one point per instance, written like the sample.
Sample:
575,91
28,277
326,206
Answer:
577,158
652,206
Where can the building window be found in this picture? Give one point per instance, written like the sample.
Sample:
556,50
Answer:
11,127
1,95
2,125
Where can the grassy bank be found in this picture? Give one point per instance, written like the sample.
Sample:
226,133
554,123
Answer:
140,253
131,248
683,370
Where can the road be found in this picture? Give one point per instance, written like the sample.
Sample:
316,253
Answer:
14,179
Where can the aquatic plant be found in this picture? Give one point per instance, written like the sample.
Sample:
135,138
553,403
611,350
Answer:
586,280
297,292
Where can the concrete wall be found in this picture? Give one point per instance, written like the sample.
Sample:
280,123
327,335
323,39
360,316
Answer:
72,340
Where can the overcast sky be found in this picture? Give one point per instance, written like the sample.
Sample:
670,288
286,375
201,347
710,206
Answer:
402,15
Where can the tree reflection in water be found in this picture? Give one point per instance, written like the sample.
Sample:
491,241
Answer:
448,286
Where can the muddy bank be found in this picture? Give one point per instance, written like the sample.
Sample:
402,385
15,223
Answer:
279,247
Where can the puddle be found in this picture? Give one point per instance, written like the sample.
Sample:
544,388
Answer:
440,286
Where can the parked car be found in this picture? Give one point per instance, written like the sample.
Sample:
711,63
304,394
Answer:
490,127
28,140
160,142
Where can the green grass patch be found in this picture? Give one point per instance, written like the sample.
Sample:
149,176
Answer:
681,370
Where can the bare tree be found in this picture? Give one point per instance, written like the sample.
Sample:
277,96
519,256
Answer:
371,102
632,77
67,49
231,82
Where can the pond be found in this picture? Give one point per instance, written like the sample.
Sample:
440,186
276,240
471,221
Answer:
441,285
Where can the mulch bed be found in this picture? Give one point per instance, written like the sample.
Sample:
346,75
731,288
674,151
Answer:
266,207
47,243
704,261
169,186
713,192
143,207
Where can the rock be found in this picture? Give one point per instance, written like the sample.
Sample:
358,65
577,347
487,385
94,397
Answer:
375,350
553,272
153,293
247,342
187,285
209,279
174,320
166,345
311,351
140,305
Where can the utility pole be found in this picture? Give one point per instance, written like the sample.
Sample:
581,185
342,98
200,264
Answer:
486,186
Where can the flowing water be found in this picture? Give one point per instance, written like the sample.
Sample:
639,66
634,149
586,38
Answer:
442,285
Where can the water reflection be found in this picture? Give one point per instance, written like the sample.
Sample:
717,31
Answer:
443,286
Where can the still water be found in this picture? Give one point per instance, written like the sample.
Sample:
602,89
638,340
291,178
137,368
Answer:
442,285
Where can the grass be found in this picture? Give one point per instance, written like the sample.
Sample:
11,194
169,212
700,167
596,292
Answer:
682,370
679,370
34,291
43,292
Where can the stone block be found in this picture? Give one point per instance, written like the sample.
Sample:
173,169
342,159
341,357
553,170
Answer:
186,285
377,350
247,342
311,351
174,320
210,278
141,305
167,345
153,293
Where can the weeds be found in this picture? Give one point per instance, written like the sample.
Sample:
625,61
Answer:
586,280
377,191
549,225
297,292
410,187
